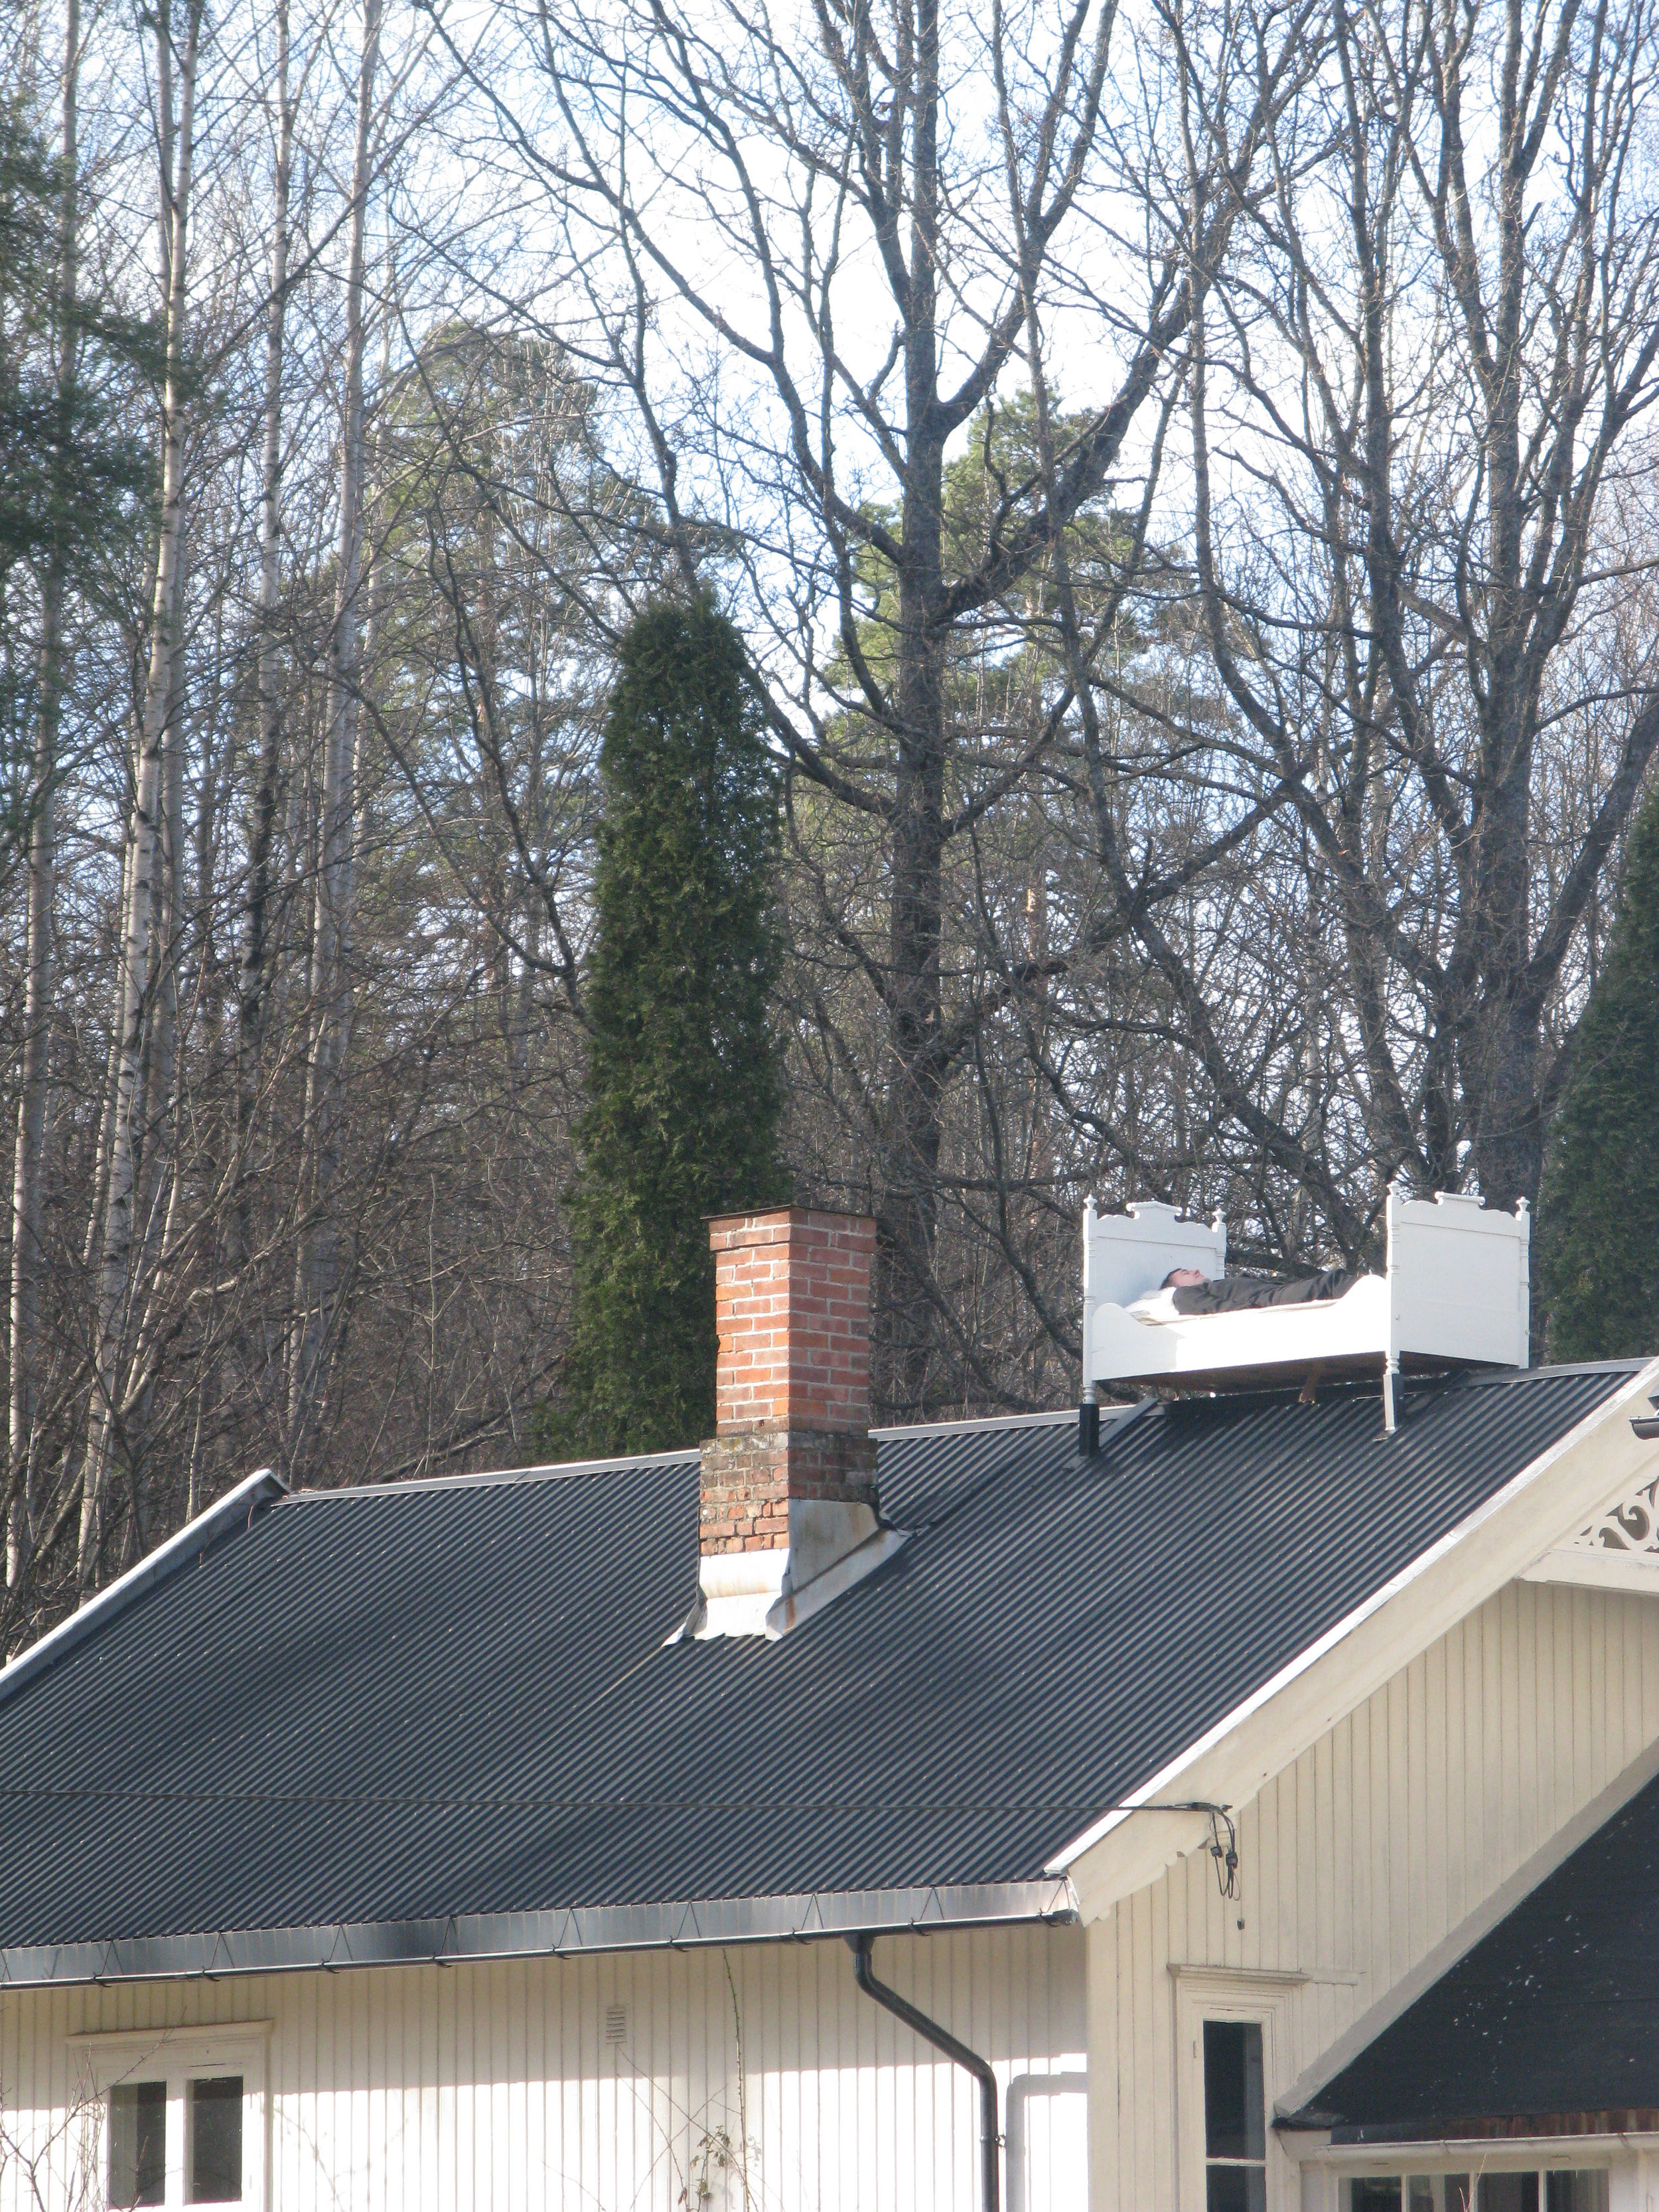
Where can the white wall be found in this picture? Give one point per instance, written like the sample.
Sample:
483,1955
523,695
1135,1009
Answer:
1361,1860
428,2087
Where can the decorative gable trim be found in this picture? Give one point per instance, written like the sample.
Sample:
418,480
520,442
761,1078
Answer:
1617,1550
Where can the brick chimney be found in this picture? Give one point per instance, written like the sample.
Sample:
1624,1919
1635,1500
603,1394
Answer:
788,1479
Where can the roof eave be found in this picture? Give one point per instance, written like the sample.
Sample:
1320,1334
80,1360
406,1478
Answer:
467,1938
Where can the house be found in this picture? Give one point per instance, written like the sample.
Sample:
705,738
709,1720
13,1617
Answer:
1225,1801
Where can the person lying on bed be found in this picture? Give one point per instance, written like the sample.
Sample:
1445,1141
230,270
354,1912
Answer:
1238,1293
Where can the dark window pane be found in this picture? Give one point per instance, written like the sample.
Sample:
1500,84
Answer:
216,2141
1375,2193
1460,2193
1236,2189
1235,2118
138,2143
1576,2192
1508,2192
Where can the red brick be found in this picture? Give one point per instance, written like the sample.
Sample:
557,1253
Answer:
792,1389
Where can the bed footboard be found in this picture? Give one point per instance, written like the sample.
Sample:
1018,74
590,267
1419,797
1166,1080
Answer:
1460,1279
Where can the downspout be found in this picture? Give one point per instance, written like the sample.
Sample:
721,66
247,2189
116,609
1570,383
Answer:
990,2137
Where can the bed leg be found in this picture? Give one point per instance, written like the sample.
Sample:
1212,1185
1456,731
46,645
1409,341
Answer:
1088,1427
1390,1397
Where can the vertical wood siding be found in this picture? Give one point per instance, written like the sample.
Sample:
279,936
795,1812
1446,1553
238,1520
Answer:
496,2085
1374,1848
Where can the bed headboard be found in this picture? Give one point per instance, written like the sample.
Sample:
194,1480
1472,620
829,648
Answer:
1126,1254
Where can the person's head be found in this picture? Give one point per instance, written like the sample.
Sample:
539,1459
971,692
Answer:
1181,1278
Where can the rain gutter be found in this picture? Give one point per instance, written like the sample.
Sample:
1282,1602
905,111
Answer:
468,1938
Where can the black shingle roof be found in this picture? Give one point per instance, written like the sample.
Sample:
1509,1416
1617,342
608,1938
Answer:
452,1699
1556,2011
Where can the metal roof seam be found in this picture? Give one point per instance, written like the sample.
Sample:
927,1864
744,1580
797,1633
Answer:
501,1802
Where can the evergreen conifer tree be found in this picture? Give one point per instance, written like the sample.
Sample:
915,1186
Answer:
1599,1208
684,1086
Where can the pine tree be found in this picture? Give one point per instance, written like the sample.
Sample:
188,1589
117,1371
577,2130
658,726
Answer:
1599,1208
683,1066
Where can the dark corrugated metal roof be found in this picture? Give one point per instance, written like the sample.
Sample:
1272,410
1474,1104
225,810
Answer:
1556,2011
454,1698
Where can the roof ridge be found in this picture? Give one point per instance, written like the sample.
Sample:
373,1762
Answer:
986,1421
1564,1367
214,1522
549,1471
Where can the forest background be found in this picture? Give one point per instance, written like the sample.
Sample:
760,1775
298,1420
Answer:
1183,473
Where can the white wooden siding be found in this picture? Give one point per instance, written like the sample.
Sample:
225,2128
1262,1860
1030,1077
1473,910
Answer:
431,2087
1368,1852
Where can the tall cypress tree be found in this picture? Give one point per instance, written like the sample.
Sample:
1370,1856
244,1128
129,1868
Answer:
1599,1208
684,1088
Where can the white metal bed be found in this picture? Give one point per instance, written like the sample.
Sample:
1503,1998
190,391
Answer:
1455,1292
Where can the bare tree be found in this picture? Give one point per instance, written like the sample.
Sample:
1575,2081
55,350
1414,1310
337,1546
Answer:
253,981
173,1177
41,862
144,834
823,166
318,1262
1425,547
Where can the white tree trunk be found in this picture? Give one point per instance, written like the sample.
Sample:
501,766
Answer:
253,993
42,865
158,1091
318,1262
133,975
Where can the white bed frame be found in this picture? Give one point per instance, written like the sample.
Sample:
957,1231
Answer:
1455,1292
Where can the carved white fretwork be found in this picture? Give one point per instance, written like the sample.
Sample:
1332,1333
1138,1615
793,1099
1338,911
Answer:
1633,1525
1619,1550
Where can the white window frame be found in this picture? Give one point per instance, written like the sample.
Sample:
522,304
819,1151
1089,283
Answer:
1632,2165
1259,2000
1566,2158
177,2056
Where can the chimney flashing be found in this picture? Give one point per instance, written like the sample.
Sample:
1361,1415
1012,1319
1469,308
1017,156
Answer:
794,1606
752,1593
736,1591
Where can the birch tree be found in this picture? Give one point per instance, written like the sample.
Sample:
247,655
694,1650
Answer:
177,136
27,1196
253,982
319,1261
